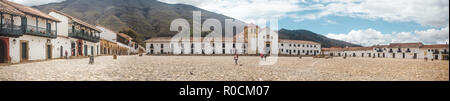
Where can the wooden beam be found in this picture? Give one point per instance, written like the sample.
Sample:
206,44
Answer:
1,21
37,25
22,22
56,30
12,22
49,30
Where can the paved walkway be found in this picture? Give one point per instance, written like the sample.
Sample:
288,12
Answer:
222,68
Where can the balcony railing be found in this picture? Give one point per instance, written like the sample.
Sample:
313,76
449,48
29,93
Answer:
11,30
84,36
379,50
39,31
444,52
436,52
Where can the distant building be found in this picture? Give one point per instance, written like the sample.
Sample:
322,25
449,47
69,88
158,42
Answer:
393,50
108,42
125,44
243,43
438,52
299,47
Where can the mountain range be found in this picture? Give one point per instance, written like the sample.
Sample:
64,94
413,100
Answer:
152,18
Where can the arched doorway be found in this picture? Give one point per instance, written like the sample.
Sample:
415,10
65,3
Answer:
85,51
80,48
73,48
3,52
268,48
61,51
92,51
49,51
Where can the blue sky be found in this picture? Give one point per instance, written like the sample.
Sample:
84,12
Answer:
365,22
345,24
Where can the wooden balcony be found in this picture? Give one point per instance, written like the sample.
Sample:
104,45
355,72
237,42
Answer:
84,36
11,30
444,52
40,31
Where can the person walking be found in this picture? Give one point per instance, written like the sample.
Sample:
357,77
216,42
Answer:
236,58
262,56
265,57
66,55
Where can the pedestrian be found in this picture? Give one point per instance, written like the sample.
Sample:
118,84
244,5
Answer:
66,54
265,57
236,58
262,56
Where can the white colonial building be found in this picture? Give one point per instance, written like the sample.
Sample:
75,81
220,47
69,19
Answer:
437,52
125,41
299,47
26,34
243,43
76,37
393,50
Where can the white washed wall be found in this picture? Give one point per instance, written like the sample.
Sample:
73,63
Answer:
57,43
63,26
197,47
229,48
208,48
296,48
240,48
17,20
424,53
31,20
36,45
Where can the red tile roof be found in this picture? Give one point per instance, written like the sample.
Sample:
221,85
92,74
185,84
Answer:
333,49
77,20
29,10
125,36
5,8
347,49
436,46
159,39
393,45
405,45
298,42
380,46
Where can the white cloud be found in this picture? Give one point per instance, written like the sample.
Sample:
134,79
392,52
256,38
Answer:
432,13
425,12
331,22
434,35
250,11
364,37
371,37
35,2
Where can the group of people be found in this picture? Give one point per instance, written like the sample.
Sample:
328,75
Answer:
263,57
236,58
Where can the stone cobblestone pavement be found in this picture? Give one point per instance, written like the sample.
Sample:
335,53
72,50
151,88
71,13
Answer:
222,68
